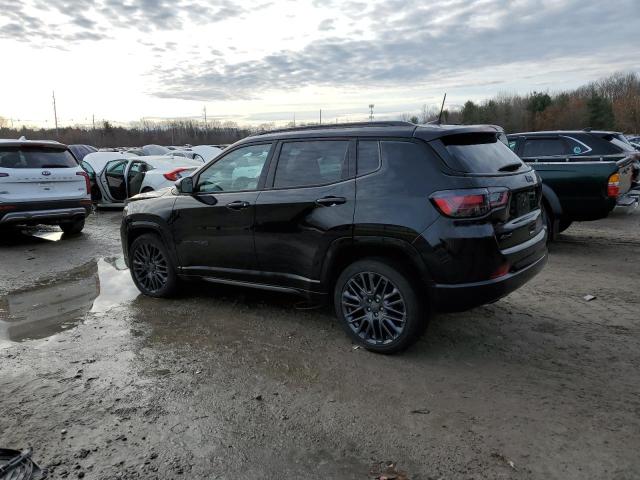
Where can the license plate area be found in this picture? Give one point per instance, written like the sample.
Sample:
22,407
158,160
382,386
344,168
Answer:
523,202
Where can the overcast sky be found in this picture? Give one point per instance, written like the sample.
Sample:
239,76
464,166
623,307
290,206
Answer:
264,61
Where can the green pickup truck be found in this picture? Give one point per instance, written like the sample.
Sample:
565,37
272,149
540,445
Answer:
585,174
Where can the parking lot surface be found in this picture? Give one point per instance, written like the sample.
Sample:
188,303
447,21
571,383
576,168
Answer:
234,383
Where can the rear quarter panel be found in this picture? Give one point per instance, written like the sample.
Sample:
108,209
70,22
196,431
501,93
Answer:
581,187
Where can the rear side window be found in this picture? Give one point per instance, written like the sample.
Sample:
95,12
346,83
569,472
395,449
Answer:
480,153
312,163
576,147
36,157
545,147
368,156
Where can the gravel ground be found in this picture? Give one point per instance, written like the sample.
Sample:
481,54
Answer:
236,384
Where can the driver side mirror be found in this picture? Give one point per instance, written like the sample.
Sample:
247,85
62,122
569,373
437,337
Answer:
185,185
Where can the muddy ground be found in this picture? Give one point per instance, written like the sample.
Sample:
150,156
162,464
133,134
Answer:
236,384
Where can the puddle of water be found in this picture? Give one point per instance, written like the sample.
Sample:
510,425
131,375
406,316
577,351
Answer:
44,310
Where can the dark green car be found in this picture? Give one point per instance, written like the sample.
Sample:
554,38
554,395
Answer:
585,174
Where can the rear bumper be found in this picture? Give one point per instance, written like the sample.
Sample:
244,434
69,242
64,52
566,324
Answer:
460,297
629,199
30,213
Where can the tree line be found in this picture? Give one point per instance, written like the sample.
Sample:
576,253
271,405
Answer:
612,103
178,132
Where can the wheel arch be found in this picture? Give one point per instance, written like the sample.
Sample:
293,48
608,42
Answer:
552,200
137,228
397,252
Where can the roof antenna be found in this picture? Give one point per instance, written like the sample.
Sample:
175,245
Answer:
442,109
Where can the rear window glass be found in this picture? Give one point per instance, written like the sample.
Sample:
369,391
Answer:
623,145
480,153
21,157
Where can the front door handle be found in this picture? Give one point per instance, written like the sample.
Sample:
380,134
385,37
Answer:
238,205
331,201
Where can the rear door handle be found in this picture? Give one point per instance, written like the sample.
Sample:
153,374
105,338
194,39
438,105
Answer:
331,201
238,205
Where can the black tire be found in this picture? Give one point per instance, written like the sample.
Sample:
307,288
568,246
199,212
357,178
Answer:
367,317
73,227
564,224
151,267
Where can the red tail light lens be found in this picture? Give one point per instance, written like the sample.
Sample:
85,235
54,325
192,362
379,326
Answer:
613,187
174,175
87,181
470,203
501,271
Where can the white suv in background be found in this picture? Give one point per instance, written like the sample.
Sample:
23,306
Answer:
42,183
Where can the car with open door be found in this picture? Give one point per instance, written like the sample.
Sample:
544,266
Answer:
116,177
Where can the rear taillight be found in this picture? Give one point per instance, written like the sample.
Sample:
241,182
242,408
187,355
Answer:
613,187
174,175
470,203
6,208
87,181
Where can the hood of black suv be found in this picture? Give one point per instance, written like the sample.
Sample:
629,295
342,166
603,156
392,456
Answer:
153,194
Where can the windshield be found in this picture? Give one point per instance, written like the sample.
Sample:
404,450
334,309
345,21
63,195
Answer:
481,153
36,157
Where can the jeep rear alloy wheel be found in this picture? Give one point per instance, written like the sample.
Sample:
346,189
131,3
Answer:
378,306
151,267
374,307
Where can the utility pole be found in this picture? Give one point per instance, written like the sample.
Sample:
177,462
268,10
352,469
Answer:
294,119
55,112
371,105
205,115
320,116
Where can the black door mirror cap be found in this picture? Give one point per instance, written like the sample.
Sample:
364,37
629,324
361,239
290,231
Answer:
185,185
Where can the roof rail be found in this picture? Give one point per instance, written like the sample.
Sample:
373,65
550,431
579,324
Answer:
340,125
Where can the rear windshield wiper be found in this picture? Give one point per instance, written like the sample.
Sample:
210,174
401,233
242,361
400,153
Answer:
510,167
53,165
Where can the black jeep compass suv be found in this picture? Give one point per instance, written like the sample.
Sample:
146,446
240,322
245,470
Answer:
387,220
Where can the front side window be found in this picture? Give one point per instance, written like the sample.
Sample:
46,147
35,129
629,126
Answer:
116,168
237,171
319,162
545,147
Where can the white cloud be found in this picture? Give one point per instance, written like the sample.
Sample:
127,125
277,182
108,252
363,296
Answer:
125,59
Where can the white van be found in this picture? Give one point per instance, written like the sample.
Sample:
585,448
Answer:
42,183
